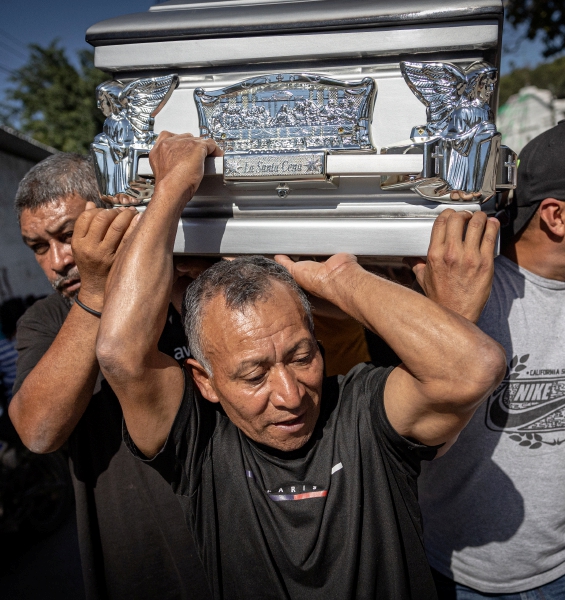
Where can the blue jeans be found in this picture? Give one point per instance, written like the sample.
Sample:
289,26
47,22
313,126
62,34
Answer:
447,589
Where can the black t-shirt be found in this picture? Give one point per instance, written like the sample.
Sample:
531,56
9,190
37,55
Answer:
338,518
133,539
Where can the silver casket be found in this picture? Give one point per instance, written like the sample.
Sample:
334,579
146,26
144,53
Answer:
347,125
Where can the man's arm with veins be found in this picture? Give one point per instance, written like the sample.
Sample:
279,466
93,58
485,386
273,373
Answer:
449,366
148,383
54,395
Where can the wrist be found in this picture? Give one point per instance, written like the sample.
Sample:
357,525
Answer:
174,190
94,300
339,283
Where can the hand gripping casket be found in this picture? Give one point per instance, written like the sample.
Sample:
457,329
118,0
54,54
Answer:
347,126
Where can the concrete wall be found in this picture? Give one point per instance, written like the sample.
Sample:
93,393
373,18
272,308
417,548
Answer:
527,114
20,275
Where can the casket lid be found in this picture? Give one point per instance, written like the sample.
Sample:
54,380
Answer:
190,19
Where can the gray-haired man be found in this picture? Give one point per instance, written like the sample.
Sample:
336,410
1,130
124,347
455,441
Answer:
132,536
295,486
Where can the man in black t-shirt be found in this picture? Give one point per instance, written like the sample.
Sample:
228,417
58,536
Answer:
132,536
294,486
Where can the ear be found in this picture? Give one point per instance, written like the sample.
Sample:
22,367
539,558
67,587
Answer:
202,380
552,213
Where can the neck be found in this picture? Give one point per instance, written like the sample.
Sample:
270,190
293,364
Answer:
542,257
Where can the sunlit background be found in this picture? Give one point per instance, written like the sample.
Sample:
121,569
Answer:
64,23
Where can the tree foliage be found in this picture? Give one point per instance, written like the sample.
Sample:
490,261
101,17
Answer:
545,17
53,101
548,76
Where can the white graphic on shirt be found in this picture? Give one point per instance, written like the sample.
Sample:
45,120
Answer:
297,491
529,404
181,352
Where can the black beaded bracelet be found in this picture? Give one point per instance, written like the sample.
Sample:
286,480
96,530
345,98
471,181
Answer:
88,309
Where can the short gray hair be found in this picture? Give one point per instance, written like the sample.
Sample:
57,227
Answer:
243,281
59,175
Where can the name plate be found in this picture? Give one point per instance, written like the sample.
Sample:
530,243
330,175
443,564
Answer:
253,167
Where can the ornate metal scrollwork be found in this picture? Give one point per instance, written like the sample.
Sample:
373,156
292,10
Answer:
463,158
128,134
280,126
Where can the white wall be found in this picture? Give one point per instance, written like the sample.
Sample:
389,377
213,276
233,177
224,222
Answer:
527,114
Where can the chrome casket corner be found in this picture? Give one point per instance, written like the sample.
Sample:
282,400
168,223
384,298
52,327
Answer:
128,135
463,160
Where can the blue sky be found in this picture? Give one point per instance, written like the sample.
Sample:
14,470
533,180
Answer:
39,21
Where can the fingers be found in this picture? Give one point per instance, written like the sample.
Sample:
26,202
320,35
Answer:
490,237
475,230
463,231
82,224
101,222
439,227
418,266
285,261
213,148
130,230
118,228
413,261
90,205
455,228
163,135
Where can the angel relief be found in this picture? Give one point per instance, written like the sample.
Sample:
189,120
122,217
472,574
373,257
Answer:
460,137
127,134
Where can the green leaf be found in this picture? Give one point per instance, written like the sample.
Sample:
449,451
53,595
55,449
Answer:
53,101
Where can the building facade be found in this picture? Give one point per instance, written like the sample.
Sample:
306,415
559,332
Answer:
527,114
20,275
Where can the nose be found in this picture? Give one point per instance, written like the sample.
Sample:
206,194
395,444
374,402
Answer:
286,390
61,257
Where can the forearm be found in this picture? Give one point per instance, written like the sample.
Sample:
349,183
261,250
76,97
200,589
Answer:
55,394
140,284
438,347
148,383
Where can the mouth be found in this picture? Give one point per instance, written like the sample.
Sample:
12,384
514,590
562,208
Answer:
291,425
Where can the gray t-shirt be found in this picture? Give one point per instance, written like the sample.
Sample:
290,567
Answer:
494,505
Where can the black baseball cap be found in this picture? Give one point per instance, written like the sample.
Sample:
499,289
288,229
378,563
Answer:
541,175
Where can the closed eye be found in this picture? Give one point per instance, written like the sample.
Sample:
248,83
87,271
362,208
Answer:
256,378
39,248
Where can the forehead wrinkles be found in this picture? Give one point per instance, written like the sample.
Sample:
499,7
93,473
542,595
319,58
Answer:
51,216
228,331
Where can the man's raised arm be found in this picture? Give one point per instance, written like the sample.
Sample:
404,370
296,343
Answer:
147,382
56,391
449,366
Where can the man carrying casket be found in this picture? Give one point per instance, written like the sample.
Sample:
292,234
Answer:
293,484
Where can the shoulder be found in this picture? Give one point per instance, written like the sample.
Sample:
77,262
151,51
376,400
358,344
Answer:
363,388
